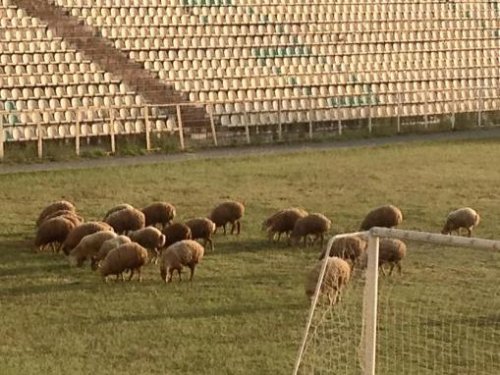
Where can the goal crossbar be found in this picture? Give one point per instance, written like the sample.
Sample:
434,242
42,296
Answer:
370,297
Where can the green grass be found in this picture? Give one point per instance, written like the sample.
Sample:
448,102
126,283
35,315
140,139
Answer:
245,311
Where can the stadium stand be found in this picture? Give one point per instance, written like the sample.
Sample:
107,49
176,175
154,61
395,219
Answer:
253,61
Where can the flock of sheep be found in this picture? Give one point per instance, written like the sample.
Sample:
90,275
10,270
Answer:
127,238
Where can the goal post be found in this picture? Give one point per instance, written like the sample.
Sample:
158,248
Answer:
364,325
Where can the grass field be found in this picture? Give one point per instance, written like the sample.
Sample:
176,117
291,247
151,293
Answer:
245,311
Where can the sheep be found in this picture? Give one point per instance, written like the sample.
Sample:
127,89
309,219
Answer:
228,212
70,215
391,251
349,248
53,207
130,256
183,253
202,228
89,246
388,216
312,224
162,213
176,232
82,230
125,220
150,238
53,231
462,218
117,208
336,278
282,221
105,248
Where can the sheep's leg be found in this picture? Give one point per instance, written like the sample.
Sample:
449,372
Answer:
382,270
179,272
209,241
322,238
192,272
469,231
400,271
279,236
238,227
139,273
163,274
391,269
224,227
131,274
232,227
305,241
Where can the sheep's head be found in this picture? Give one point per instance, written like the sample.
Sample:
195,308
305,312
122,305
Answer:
447,228
94,264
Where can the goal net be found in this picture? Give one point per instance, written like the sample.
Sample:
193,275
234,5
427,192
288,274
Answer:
440,316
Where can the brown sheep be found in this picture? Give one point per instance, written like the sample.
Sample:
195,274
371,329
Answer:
126,220
53,232
388,216
70,215
349,248
82,230
176,232
150,238
336,278
162,213
312,224
183,253
202,228
282,221
391,251
462,218
117,208
228,212
53,207
89,246
130,256
105,248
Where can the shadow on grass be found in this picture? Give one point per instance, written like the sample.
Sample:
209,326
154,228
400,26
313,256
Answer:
31,270
28,290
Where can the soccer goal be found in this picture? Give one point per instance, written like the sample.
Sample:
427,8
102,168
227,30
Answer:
440,316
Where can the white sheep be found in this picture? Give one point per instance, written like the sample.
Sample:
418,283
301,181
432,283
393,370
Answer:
336,278
462,218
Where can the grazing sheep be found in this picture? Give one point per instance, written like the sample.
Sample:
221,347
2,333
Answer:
105,248
336,278
462,218
312,224
70,215
130,256
162,213
125,220
53,207
202,228
348,248
183,253
228,212
117,208
150,238
89,246
53,232
282,221
388,216
176,232
391,251
82,230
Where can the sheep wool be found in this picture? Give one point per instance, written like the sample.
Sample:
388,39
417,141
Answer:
82,230
89,246
388,216
183,253
465,217
105,248
53,231
130,256
313,224
54,207
202,228
176,232
119,207
162,213
150,238
336,278
282,221
228,212
349,248
125,220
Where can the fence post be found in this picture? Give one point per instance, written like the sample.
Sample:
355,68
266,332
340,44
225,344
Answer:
112,130
370,302
77,133
40,140
1,137
212,127
179,124
147,128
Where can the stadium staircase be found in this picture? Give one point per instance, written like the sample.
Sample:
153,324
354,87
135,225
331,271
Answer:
88,41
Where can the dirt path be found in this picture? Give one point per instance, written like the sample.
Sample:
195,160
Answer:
247,151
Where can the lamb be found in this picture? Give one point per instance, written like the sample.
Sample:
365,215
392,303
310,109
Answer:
312,224
391,251
82,230
202,228
53,232
176,232
183,253
228,212
462,218
53,207
70,215
130,256
282,221
105,248
162,213
336,278
349,248
125,220
117,208
150,238
89,246
388,216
